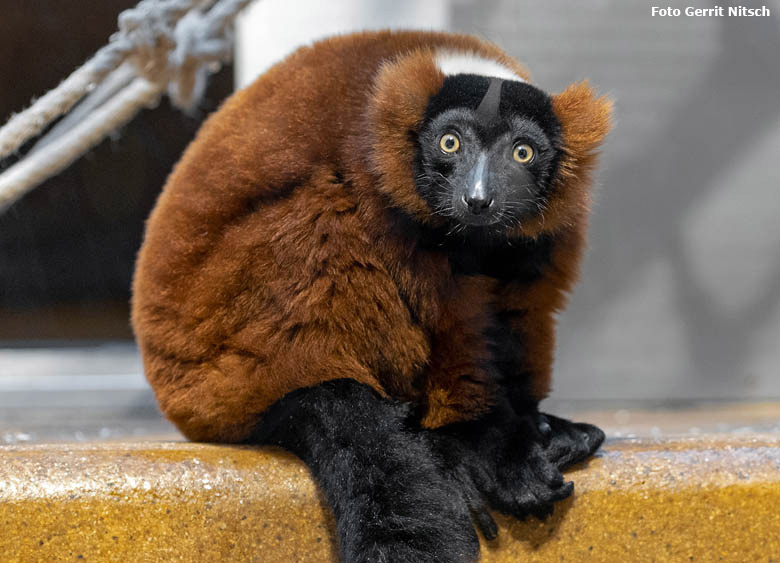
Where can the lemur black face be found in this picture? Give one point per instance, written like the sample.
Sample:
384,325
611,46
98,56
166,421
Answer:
487,151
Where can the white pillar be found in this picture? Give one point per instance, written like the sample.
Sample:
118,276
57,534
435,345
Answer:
268,30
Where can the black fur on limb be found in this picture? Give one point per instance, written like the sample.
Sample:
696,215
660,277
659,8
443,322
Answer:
405,494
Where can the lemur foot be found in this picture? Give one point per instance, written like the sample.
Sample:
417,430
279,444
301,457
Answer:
569,442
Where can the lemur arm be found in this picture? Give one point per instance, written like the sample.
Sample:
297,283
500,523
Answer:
525,333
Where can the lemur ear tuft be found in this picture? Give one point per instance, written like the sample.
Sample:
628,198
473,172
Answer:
400,95
585,122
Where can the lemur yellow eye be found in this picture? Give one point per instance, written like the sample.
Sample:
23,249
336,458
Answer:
449,142
523,153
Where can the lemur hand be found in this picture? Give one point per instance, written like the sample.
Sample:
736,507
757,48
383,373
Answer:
513,462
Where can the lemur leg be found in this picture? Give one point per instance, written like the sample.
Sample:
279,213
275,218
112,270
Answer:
526,342
524,352
495,454
379,476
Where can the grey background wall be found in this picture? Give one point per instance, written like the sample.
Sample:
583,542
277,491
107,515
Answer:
681,290
680,296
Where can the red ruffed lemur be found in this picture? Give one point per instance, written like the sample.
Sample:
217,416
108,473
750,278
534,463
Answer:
360,259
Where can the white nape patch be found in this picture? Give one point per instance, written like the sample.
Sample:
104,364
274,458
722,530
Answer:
459,62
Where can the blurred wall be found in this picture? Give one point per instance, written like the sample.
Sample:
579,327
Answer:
67,249
681,290
680,296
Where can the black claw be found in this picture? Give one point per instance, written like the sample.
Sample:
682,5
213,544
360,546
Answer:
527,504
572,442
592,436
487,526
548,511
564,491
544,428
544,512
597,438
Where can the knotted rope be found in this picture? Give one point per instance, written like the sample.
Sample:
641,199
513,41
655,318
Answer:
160,44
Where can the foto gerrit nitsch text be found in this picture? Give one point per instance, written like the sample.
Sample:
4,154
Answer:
714,12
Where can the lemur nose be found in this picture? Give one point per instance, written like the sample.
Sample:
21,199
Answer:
478,203
476,196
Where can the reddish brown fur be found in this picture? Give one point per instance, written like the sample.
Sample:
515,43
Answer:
271,262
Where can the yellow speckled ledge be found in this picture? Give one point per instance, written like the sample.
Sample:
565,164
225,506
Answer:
701,499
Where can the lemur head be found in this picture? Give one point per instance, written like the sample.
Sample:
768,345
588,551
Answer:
487,151
484,150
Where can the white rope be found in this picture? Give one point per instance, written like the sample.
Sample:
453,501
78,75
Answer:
171,44
112,83
54,103
45,163
132,35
